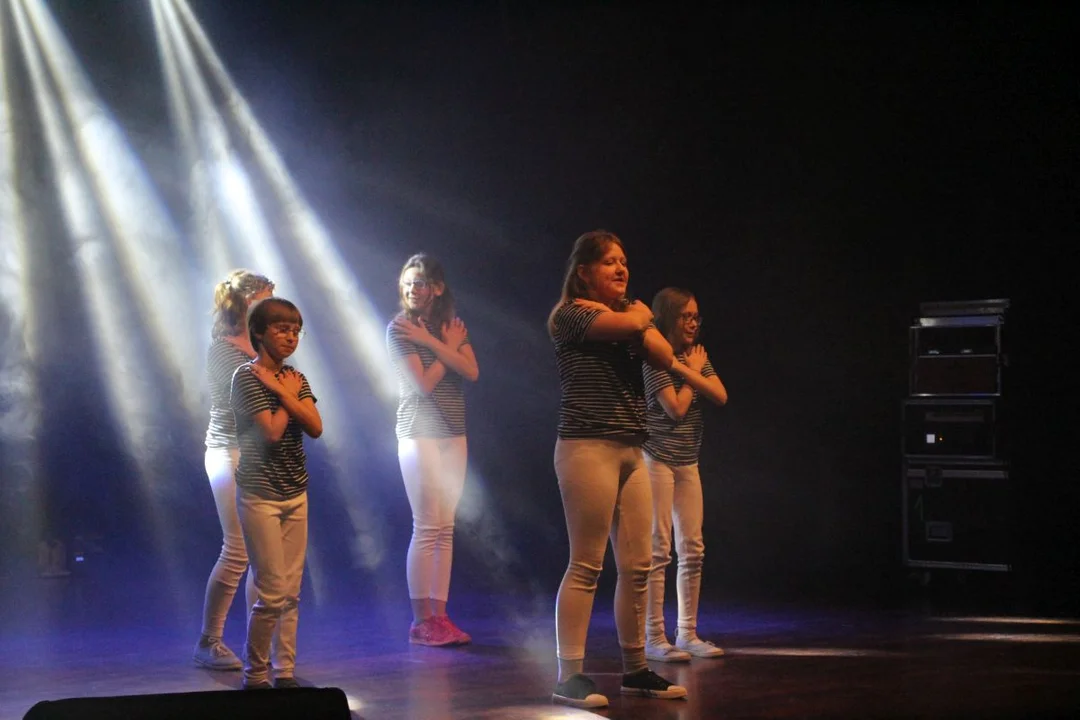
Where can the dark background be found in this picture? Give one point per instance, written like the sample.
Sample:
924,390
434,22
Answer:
810,171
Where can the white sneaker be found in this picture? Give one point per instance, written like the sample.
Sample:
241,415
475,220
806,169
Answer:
664,651
216,656
698,647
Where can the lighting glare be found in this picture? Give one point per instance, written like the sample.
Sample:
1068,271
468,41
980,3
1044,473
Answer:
146,242
131,395
1005,620
356,317
19,413
1009,637
808,652
223,190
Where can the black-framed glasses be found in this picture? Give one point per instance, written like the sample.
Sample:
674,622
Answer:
286,330
688,317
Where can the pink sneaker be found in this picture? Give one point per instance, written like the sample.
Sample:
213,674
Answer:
430,632
460,636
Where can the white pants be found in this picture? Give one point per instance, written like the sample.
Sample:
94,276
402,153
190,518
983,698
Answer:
605,494
276,535
676,491
434,473
233,561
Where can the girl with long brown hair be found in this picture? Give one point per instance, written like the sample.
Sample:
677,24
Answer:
601,339
432,356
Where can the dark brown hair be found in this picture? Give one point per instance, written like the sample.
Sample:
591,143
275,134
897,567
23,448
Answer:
588,249
265,313
667,306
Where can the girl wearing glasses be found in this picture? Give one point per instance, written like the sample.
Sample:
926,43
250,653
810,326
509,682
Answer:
229,349
671,455
600,342
274,408
432,356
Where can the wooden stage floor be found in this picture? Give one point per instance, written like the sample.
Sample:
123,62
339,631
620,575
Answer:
62,640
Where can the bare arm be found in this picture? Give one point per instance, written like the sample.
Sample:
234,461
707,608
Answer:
271,424
676,404
454,352
423,380
614,326
305,413
656,350
710,387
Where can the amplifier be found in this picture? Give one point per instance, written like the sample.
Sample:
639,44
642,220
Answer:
956,430
956,356
957,517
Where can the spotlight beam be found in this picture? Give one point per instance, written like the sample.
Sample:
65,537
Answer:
356,317
19,414
129,396
148,244
213,250
223,178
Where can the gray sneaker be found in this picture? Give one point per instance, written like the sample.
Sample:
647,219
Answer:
216,656
698,647
663,651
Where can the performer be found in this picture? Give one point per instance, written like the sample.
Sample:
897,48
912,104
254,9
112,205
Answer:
430,349
600,341
274,407
229,349
671,455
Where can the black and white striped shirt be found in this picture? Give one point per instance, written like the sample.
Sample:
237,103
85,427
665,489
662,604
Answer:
602,390
275,471
437,415
222,359
675,442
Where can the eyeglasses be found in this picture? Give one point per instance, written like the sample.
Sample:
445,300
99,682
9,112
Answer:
286,330
418,283
687,317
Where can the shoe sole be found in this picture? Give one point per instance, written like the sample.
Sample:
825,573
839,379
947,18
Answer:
222,668
428,643
716,654
655,694
668,658
585,704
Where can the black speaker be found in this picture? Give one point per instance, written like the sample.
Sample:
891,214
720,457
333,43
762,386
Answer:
307,703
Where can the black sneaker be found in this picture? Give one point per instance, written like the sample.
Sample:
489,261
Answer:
648,684
261,685
578,691
285,683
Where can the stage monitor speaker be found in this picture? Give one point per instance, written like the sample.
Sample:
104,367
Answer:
307,703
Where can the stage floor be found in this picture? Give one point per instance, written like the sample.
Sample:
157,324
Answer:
63,638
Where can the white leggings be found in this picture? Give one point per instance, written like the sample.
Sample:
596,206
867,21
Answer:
677,504
225,577
434,473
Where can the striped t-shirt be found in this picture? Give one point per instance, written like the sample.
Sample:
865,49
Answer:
221,362
675,442
602,390
437,415
274,471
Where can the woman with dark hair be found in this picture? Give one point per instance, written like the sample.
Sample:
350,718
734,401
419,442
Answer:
429,347
671,454
230,348
600,341
274,408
